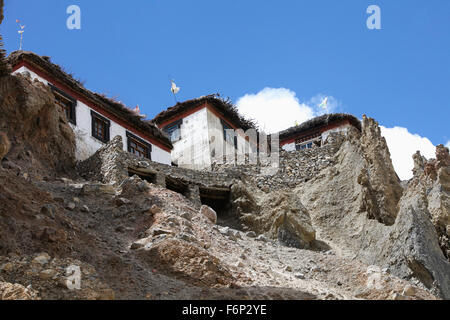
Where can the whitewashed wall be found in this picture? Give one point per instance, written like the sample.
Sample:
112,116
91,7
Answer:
218,145
86,144
215,128
192,150
202,141
161,155
344,128
289,147
32,74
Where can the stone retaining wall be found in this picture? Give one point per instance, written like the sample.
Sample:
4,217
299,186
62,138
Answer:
295,167
112,165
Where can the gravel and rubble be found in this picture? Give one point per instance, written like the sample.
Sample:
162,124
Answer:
182,254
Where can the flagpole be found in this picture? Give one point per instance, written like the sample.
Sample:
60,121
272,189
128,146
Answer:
21,31
174,90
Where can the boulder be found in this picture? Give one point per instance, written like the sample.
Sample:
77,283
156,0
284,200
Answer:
92,189
281,216
133,186
224,230
251,234
409,291
187,261
71,206
141,243
209,213
42,259
108,164
262,238
48,274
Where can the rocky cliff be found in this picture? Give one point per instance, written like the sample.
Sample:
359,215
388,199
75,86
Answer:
359,208
332,223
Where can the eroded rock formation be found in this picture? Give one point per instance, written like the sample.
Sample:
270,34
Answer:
381,185
38,131
343,200
279,214
432,180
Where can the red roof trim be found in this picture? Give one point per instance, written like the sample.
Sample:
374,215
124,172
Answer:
182,115
187,113
201,106
320,129
40,72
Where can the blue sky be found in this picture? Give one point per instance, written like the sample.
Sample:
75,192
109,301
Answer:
399,75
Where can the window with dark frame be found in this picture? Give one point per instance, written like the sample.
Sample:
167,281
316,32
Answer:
67,104
139,147
100,127
174,130
308,142
304,146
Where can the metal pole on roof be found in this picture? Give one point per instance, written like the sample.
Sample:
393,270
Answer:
21,31
175,97
174,90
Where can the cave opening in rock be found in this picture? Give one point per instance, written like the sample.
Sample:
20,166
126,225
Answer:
220,201
177,186
147,176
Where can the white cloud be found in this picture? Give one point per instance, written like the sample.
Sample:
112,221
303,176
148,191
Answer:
402,145
448,144
276,109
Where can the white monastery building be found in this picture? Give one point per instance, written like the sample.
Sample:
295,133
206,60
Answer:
193,134
204,130
94,118
313,133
